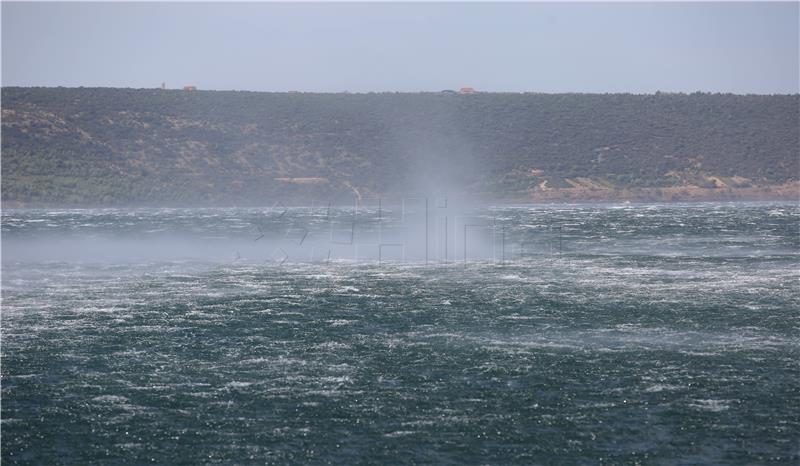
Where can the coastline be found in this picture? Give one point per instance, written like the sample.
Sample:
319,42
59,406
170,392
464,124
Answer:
788,192
781,192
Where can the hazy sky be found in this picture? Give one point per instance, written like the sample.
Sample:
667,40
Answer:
543,47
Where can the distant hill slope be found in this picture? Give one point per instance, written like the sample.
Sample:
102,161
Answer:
102,146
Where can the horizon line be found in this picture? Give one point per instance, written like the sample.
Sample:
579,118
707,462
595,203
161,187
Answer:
442,91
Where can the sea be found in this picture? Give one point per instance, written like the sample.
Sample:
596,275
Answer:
419,332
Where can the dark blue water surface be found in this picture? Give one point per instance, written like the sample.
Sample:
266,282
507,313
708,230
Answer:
638,334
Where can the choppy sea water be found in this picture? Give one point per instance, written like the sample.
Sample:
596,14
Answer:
639,334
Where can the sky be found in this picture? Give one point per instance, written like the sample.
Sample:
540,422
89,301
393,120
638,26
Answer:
407,47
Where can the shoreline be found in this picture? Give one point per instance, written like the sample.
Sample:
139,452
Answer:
677,194
789,192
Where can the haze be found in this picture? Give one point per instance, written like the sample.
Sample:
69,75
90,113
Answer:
540,47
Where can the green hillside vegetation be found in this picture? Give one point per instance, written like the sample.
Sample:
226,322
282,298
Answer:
102,146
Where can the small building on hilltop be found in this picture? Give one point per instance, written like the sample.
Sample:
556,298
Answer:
466,90
189,88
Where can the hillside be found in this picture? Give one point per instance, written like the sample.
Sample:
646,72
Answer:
102,146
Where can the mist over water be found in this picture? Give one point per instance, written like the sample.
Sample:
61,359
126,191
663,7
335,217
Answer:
665,334
415,229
